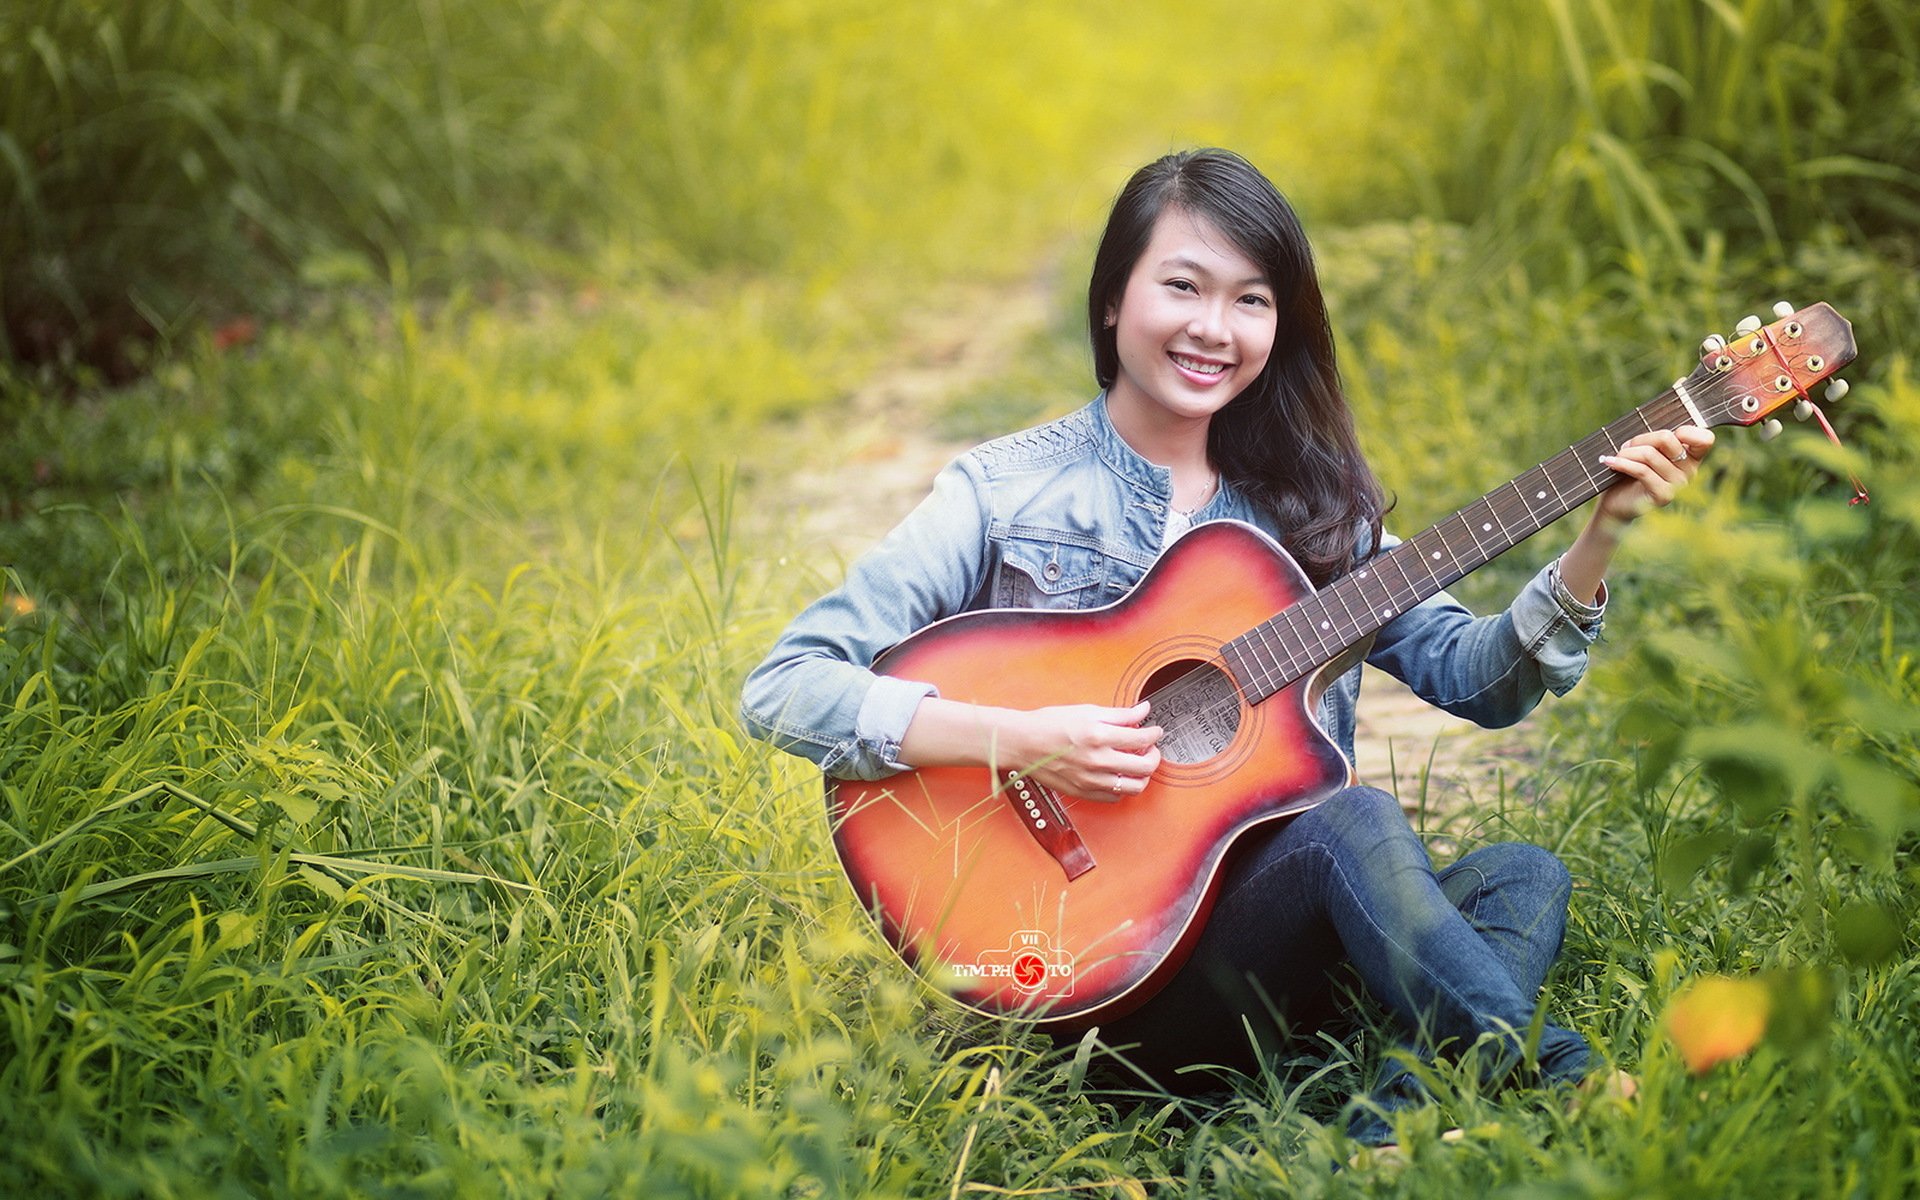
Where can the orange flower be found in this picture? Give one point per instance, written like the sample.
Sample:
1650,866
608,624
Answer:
17,605
235,333
1717,1018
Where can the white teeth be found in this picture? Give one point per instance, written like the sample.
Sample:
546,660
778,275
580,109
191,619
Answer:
1203,368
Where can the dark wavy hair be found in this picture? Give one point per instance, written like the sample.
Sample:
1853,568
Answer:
1287,441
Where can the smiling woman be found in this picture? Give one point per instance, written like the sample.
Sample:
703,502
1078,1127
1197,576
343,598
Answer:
1222,404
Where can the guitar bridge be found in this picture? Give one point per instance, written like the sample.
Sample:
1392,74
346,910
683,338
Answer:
1040,810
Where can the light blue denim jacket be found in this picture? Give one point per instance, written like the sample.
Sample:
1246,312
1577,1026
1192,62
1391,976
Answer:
1067,515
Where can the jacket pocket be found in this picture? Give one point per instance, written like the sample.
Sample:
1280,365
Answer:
1034,572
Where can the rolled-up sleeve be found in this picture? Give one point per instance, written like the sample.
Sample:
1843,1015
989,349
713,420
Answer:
816,694
1492,670
1555,628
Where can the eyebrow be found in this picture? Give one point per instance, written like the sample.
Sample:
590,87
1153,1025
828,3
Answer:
1181,260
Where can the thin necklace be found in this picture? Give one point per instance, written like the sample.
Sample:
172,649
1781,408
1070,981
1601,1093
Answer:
1213,485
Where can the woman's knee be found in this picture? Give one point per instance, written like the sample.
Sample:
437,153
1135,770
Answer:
1357,816
1511,868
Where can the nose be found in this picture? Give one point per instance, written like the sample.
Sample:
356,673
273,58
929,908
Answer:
1209,324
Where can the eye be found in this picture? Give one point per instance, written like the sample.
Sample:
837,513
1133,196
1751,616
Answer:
1184,285
1256,300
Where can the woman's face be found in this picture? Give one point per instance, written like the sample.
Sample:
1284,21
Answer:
1194,325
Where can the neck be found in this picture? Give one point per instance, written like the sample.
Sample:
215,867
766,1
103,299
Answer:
1165,440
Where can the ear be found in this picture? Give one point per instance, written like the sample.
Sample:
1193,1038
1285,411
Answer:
1113,318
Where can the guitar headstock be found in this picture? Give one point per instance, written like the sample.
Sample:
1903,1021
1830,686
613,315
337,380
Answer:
1765,367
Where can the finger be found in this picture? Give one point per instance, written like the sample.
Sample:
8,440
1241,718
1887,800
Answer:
1686,442
1135,780
1671,467
1666,441
1698,441
1136,737
1633,467
1130,764
1656,459
1109,785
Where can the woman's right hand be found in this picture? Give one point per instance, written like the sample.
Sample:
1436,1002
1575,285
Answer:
1086,750
1082,750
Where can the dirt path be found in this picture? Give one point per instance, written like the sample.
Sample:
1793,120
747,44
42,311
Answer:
888,446
890,451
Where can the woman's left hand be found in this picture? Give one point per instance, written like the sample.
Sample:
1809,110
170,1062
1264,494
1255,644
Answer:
1657,465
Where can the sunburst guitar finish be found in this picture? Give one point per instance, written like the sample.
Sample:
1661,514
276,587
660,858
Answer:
949,860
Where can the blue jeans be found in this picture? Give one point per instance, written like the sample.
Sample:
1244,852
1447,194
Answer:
1452,956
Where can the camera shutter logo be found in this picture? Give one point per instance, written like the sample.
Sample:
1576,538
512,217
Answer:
1030,962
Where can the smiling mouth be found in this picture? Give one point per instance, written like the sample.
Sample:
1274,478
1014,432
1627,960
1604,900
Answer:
1198,366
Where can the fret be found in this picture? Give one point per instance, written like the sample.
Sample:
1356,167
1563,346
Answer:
1550,494
1338,592
1624,430
1410,554
1264,632
1431,557
1588,451
1532,524
1278,647
1318,625
1571,477
1486,521
1247,670
1482,554
1394,605
1358,582
1666,411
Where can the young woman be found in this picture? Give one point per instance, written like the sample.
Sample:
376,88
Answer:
1221,401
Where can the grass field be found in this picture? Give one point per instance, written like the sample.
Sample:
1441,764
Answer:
373,814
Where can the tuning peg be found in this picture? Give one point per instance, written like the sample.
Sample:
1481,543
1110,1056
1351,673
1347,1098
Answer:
1837,390
1782,309
1713,345
1748,324
1802,409
1769,429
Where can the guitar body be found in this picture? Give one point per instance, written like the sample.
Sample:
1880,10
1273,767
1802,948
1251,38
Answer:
1068,910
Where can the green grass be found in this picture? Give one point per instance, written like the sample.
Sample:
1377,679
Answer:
373,816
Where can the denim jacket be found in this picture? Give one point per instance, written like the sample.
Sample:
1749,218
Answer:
1067,515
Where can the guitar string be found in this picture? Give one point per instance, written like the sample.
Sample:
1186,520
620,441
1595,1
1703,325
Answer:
1507,505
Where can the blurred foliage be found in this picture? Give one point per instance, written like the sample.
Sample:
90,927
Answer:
375,815
172,164
1656,139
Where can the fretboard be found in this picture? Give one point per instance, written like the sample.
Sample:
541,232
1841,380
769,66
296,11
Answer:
1314,631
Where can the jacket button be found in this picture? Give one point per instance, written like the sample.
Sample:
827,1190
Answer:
1051,571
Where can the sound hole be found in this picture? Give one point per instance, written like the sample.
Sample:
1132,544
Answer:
1198,706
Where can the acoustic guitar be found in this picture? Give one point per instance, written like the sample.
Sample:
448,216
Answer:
1015,900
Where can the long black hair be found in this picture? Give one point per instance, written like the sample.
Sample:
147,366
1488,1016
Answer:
1287,441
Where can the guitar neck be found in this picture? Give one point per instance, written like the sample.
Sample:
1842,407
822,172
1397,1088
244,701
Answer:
1308,635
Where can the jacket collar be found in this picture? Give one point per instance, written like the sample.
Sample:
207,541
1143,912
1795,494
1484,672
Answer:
1124,460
